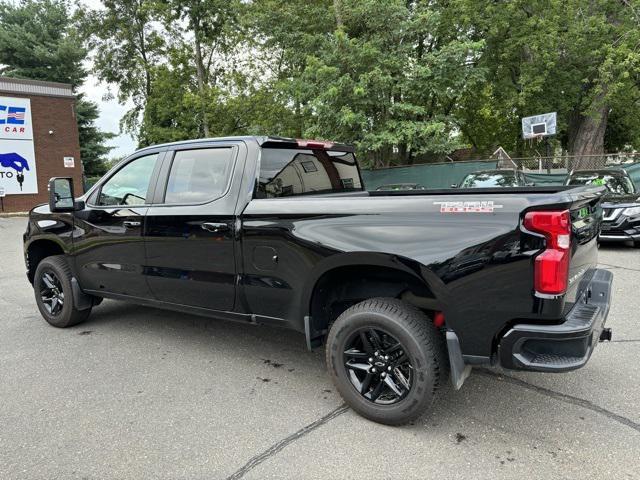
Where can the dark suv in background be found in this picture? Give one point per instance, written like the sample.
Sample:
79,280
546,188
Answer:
621,203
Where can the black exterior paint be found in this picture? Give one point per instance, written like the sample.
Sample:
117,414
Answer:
265,263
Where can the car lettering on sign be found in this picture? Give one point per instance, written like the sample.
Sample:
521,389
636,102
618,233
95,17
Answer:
480,206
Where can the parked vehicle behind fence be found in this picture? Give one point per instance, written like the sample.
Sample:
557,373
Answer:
621,203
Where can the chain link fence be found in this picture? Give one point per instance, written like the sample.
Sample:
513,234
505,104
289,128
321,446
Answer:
568,163
552,170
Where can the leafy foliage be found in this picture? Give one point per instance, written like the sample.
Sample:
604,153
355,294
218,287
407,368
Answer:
38,40
404,80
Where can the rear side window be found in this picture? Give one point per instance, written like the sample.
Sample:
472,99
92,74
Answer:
287,172
199,176
129,185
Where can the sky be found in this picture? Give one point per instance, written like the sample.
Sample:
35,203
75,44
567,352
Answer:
110,110
110,114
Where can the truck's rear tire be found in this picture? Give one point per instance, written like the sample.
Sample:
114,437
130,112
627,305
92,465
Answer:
386,359
54,293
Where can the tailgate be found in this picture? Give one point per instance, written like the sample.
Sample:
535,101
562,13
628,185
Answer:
586,220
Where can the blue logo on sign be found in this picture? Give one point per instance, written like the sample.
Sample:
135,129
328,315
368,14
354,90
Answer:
15,161
14,116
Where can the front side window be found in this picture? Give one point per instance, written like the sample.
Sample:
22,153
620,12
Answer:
286,172
130,184
198,176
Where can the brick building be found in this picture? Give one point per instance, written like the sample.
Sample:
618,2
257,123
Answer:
38,140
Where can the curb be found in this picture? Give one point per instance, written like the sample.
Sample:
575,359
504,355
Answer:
14,214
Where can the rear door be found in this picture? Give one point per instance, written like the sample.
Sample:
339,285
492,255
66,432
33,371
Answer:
108,243
190,228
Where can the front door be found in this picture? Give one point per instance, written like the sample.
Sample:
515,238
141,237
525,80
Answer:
109,250
190,233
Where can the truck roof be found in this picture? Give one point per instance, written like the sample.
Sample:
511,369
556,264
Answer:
264,141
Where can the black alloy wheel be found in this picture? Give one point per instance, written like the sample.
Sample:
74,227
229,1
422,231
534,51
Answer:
378,366
51,292
387,360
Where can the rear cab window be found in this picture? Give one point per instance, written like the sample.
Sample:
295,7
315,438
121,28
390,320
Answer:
288,172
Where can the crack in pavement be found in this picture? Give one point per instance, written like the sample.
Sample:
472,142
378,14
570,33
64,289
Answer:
277,447
620,267
563,397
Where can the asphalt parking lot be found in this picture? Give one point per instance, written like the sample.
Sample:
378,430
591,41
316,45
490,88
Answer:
142,393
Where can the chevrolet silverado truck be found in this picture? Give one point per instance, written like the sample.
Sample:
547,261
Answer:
405,289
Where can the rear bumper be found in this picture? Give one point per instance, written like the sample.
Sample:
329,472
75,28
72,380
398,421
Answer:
565,346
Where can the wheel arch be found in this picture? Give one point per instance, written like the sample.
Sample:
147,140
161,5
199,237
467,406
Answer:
346,279
39,249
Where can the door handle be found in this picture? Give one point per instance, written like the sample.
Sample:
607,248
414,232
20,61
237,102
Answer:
214,227
131,223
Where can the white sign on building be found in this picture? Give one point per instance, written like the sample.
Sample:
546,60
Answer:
17,157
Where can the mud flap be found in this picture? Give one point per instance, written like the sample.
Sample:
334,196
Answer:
458,370
313,337
81,301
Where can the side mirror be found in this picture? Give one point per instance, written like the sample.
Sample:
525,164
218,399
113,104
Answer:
61,198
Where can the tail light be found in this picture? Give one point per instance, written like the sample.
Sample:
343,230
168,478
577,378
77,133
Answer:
552,265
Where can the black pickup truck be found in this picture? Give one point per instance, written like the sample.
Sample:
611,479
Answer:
404,288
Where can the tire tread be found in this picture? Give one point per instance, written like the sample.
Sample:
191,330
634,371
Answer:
75,316
420,327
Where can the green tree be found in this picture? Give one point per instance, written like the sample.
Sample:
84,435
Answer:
126,46
578,59
209,30
383,75
283,35
38,40
93,150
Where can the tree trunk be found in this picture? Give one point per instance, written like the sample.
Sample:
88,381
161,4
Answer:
200,73
337,10
586,135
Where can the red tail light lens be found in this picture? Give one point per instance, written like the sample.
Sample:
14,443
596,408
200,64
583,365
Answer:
552,265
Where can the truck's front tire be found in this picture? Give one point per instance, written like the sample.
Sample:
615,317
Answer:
386,359
54,293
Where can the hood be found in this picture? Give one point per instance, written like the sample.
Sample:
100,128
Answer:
612,200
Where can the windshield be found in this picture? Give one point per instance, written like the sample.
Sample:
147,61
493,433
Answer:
480,180
618,184
286,172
